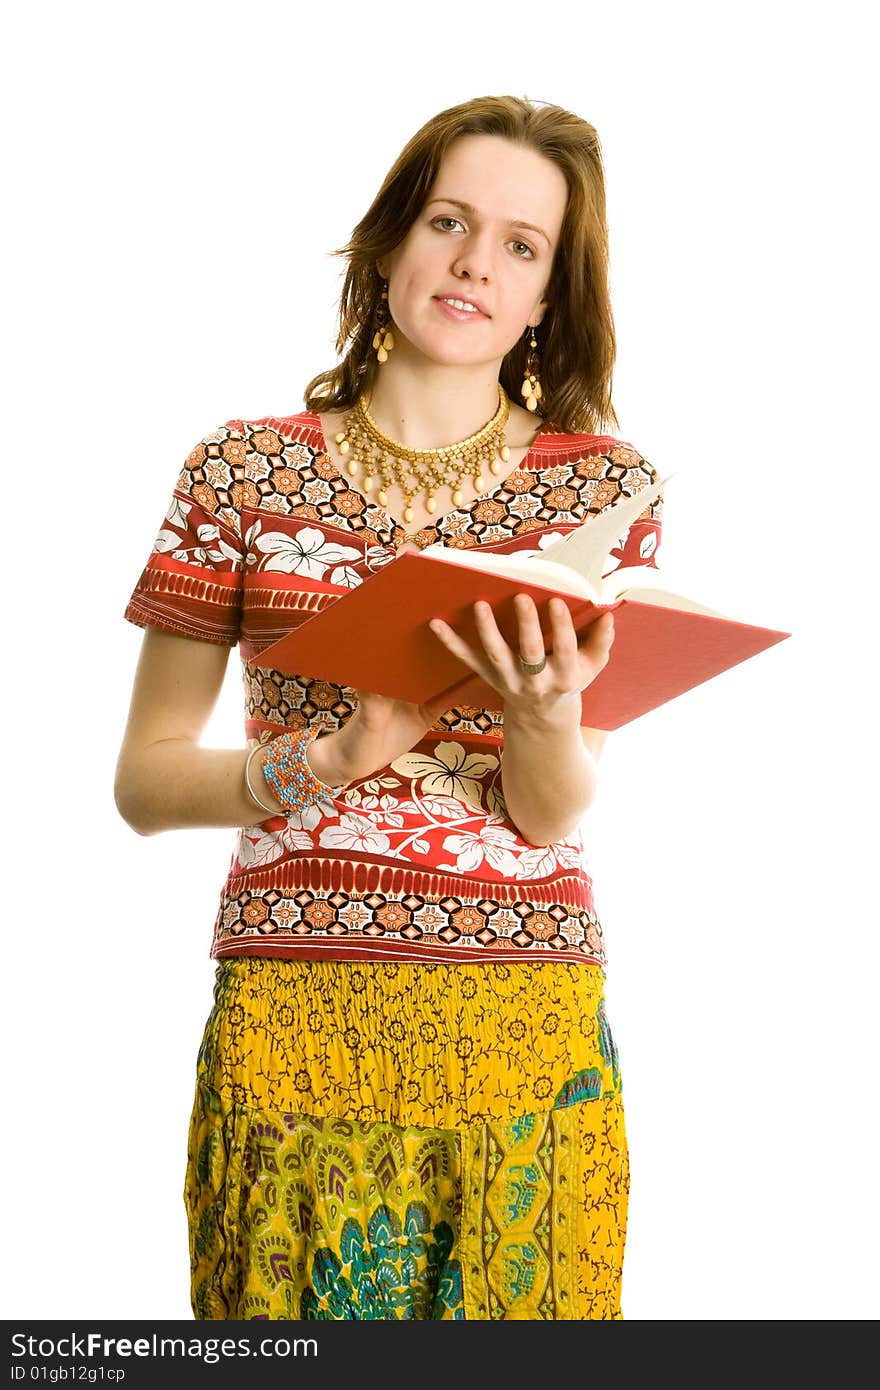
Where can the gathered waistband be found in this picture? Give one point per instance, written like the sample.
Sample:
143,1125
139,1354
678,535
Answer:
445,1046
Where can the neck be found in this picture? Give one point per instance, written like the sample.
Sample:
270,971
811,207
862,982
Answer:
428,405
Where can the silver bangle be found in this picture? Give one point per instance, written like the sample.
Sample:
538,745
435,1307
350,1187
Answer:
272,810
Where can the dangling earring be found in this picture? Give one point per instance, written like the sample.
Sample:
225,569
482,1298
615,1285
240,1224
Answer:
383,338
531,387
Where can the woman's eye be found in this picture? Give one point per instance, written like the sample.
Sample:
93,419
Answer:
521,249
446,223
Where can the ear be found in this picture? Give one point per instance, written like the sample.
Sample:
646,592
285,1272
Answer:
538,312
383,268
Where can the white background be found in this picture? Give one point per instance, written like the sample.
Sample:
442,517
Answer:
177,178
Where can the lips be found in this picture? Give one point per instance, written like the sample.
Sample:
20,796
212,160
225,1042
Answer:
453,304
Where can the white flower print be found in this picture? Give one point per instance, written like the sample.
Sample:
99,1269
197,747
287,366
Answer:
375,784
494,843
442,807
569,856
538,862
167,540
495,803
345,576
248,542
308,552
648,545
379,812
178,512
378,555
222,550
257,846
308,818
355,832
453,772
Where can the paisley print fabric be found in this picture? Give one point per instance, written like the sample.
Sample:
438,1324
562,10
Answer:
420,861
400,1141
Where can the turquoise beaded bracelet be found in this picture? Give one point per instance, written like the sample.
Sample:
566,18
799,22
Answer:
287,772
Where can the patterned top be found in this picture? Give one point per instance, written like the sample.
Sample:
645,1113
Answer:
420,861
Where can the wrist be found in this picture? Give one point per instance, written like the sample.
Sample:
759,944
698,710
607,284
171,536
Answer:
291,781
559,718
259,790
326,756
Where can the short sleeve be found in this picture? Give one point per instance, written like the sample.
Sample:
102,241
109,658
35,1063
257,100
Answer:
633,473
192,582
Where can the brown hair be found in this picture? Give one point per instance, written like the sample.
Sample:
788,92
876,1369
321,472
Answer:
576,338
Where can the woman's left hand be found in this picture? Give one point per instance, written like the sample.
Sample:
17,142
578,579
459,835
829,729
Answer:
568,669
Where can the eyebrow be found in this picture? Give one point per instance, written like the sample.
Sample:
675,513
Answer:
511,222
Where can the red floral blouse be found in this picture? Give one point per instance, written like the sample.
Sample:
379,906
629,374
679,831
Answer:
420,861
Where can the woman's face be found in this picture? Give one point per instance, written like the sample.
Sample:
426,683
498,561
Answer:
486,237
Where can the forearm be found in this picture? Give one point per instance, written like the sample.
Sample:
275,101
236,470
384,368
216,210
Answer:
175,784
549,777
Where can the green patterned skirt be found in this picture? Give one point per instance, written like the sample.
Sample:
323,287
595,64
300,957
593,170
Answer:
397,1140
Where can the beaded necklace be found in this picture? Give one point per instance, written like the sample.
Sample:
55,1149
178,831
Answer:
422,471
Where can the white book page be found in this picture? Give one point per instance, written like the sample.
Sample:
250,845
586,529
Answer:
634,581
531,569
587,548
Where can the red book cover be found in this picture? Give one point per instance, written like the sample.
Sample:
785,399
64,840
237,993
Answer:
376,637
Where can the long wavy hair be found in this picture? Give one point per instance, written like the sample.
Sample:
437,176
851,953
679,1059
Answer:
576,338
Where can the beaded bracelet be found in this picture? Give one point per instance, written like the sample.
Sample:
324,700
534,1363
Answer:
287,772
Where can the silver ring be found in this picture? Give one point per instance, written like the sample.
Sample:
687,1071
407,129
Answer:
532,668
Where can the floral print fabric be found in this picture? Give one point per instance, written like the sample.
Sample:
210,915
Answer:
407,1141
420,861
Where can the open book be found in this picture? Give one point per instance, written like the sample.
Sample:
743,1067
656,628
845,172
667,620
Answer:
376,636
574,565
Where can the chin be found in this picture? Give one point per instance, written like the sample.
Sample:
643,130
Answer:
443,353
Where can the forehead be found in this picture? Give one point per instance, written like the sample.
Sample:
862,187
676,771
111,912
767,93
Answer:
503,180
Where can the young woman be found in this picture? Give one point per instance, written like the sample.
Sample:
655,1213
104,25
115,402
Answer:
408,1102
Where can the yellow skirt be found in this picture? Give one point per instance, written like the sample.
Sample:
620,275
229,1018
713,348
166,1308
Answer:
396,1140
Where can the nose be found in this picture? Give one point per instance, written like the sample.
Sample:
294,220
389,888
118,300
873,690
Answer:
474,259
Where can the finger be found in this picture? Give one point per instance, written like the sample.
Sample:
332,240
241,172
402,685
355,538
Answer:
596,644
456,644
494,645
603,629
564,634
531,638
